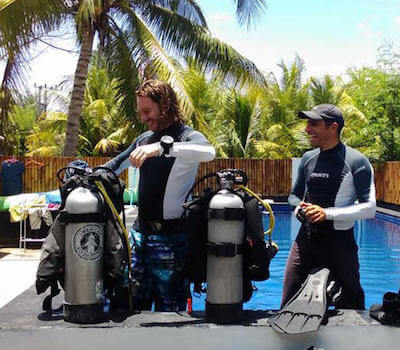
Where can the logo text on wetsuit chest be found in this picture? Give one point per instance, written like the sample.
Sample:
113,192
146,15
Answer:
320,175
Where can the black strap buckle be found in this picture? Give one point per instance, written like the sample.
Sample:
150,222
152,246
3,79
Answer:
66,218
224,249
227,214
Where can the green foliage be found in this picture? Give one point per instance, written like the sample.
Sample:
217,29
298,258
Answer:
20,122
375,92
239,122
104,128
282,133
325,90
236,124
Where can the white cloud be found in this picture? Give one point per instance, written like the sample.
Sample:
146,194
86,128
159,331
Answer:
365,30
221,17
397,22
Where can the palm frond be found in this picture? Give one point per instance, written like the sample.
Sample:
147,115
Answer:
326,90
254,128
20,18
14,77
271,150
183,38
86,14
117,135
105,146
185,8
55,122
249,11
45,151
121,52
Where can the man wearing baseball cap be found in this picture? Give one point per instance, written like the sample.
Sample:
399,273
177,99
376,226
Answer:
334,187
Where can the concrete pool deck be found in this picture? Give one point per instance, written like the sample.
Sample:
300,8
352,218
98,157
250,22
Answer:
20,327
17,272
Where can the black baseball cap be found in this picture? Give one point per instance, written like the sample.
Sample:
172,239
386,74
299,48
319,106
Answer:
326,112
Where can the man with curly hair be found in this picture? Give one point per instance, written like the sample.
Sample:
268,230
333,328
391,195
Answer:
168,155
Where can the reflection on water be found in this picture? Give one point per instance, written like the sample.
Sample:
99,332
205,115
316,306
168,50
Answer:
379,253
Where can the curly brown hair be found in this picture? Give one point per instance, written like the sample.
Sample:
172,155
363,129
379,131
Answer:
165,97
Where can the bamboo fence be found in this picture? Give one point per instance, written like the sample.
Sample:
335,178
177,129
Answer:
40,173
387,182
266,177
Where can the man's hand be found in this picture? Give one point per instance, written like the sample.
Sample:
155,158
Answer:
313,212
141,153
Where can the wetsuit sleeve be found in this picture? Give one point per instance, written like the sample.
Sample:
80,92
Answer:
195,148
363,175
121,162
298,190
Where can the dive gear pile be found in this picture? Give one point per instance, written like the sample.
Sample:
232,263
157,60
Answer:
226,245
87,249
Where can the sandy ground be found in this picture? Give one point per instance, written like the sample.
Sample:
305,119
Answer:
17,272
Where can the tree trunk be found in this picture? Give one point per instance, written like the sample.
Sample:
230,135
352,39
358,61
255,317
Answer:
5,105
78,91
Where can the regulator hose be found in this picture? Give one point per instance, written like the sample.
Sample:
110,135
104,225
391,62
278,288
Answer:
100,186
266,206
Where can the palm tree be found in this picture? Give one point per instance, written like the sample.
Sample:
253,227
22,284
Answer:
326,90
6,101
237,123
283,136
21,118
133,35
11,94
201,92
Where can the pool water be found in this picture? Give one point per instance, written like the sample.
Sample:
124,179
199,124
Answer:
379,253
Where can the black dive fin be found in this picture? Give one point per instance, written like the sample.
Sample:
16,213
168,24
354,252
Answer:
306,310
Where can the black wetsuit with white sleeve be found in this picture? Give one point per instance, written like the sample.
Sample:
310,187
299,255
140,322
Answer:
158,244
165,180
340,180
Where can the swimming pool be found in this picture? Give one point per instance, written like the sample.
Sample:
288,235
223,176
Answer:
379,253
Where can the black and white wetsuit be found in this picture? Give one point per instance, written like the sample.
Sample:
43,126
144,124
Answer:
335,180
340,180
165,181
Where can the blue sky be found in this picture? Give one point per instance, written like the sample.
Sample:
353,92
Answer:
329,35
